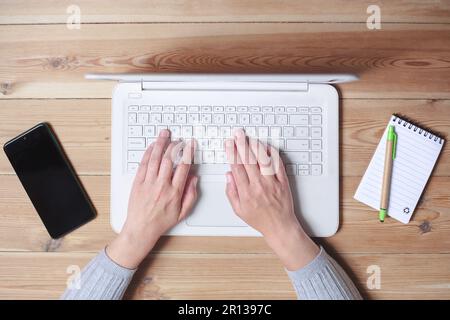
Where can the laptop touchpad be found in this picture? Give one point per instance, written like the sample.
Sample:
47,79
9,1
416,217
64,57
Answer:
212,208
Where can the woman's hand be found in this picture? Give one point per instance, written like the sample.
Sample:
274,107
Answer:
159,199
258,190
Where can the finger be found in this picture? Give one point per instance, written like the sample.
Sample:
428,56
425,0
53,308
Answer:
264,160
235,162
277,164
232,193
166,167
189,197
246,155
158,151
183,167
142,170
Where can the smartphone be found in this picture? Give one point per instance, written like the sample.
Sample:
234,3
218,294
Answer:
49,180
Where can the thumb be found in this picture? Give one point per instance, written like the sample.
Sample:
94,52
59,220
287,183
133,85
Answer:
189,196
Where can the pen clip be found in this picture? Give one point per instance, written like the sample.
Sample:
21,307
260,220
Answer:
394,145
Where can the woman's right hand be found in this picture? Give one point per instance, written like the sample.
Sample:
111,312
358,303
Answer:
258,190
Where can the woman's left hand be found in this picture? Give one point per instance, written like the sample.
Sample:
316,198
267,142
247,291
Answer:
159,199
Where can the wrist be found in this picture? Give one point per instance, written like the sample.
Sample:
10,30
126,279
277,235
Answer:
128,249
293,247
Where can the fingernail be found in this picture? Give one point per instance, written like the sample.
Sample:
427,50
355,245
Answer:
164,133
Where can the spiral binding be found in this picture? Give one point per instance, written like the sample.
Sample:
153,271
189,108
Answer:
417,129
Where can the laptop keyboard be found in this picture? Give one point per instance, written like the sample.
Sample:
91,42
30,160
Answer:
295,131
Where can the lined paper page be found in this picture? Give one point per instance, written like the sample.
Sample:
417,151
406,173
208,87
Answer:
415,158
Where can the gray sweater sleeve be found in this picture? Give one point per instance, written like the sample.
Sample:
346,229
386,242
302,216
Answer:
101,279
323,279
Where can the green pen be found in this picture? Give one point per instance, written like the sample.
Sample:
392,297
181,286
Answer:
391,146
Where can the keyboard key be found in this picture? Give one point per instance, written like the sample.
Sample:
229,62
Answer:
316,169
133,108
257,119
303,166
143,118
275,132
316,119
231,118
225,132
279,109
291,169
135,156
215,144
203,144
301,132
291,109
230,109
168,118
159,129
316,132
132,167
219,118
218,108
135,131
208,156
298,119
181,108
149,131
221,157
263,132
136,143
194,109
267,109
288,132
186,131
175,131
132,118
316,144
297,144
193,118
255,109
277,143
212,132
269,119
316,109
242,109
302,109
199,131
157,108
281,119
180,118
206,109
155,118
206,118
244,119
169,108
295,157
316,157
150,141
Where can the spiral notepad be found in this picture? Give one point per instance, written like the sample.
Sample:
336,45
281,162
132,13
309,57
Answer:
417,153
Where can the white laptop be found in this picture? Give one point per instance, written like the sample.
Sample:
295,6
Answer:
297,113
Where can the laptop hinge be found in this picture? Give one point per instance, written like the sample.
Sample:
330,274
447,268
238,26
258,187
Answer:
224,86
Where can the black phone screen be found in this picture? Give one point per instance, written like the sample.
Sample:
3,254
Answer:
49,180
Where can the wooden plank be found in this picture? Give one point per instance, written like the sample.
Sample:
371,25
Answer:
21,229
138,11
83,127
225,276
398,61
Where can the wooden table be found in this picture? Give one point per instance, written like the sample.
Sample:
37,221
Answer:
404,68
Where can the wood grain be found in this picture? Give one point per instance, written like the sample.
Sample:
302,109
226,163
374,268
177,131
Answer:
427,233
225,276
83,127
139,11
43,61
